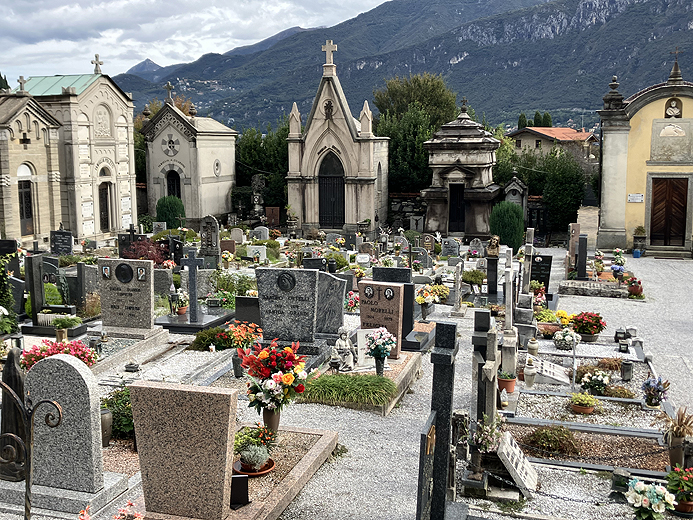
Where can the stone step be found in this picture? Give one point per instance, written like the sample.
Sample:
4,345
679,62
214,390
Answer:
667,253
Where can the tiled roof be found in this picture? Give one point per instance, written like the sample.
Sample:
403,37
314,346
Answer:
554,133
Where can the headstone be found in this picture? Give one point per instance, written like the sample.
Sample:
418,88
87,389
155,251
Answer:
210,250
424,500
514,460
272,214
392,274
582,258
158,227
331,239
34,276
248,309
50,271
423,257
549,373
69,455
127,295
261,233
367,248
401,275
163,278
288,303
17,293
492,274
402,242
476,245
175,248
363,260
197,446
527,264
192,264
228,245
125,240
331,294
417,223
236,235
449,247
350,241
574,230
429,242
382,305
257,251
61,243
318,263
541,269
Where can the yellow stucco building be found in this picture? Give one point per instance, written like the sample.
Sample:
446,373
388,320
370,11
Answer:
647,166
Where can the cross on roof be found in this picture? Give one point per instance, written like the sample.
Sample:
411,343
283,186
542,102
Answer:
97,64
328,49
22,82
169,88
676,53
25,141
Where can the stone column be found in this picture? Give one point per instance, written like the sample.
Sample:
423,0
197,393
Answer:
509,299
527,264
612,216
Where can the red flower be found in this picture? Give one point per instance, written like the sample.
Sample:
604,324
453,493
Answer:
300,388
265,372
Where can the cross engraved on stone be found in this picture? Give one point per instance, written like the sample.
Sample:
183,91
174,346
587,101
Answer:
97,64
328,49
25,140
192,264
169,88
22,82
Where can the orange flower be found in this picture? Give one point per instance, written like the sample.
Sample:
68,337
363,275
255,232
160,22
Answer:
288,349
287,379
263,355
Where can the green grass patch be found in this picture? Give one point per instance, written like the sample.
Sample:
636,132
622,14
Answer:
342,388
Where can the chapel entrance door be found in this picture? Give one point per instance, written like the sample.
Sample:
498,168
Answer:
331,192
668,216
104,210
26,211
456,208
173,184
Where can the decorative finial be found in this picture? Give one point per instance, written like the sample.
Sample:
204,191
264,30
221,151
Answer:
22,82
675,77
97,64
193,110
169,88
328,49
614,83
146,112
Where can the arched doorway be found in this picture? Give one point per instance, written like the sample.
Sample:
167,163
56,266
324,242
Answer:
104,207
331,192
26,211
173,184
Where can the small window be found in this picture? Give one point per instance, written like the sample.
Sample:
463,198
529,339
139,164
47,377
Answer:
518,143
537,143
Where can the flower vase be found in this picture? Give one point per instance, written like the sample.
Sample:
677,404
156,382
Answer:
425,310
379,366
652,403
684,506
271,418
60,335
226,264
676,451
182,310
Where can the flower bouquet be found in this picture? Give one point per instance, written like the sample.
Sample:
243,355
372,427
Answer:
238,335
634,282
617,270
227,256
426,295
595,383
416,266
680,483
379,343
183,298
563,317
351,302
277,376
565,339
588,323
359,273
473,254
441,291
168,264
649,501
340,241
655,390
598,255
488,434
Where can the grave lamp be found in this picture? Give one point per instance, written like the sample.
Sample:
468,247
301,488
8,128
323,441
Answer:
620,335
626,370
172,299
17,341
623,345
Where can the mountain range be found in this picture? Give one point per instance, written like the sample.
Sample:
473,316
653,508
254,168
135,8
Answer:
504,56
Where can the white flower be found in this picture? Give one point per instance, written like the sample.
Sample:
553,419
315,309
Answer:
269,384
637,500
661,490
303,375
659,507
669,498
639,486
3,311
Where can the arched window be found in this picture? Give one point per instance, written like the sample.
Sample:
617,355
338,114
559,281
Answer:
173,184
104,206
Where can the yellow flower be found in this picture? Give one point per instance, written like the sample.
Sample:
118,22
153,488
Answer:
288,349
287,379
263,355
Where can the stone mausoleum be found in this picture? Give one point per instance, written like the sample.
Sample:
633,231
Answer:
337,168
192,158
647,166
462,193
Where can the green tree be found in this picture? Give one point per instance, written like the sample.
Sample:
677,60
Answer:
429,90
522,121
408,160
3,82
530,122
168,209
546,120
508,223
564,189
538,119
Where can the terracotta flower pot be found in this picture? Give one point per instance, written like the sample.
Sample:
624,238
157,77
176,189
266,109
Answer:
182,310
635,290
684,506
507,384
582,409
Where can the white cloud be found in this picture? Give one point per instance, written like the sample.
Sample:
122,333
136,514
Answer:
47,37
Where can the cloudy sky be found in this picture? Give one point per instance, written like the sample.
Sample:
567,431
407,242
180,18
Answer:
47,37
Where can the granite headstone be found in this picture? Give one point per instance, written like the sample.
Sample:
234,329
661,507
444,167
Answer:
61,243
210,250
331,294
127,294
382,305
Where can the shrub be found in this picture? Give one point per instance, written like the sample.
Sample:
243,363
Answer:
146,222
260,436
51,297
474,277
341,261
272,248
118,402
618,391
176,280
51,348
67,323
233,283
255,456
546,316
205,338
68,260
613,364
508,223
186,235
168,209
144,250
411,236
554,438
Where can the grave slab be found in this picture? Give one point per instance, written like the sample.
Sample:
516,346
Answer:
515,461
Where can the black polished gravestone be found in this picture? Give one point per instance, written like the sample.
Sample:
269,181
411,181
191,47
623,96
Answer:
61,243
315,263
199,316
125,240
427,447
541,269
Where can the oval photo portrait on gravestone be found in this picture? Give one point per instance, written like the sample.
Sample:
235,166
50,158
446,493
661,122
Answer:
123,273
286,282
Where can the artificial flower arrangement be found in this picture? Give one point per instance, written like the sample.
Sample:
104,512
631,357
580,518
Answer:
290,255
595,383
168,264
620,261
473,254
277,376
416,266
649,501
51,348
379,343
359,273
227,256
274,234
340,241
617,270
618,252
566,338
183,298
680,483
488,434
239,335
655,390
540,297
425,294
588,323
351,302
251,292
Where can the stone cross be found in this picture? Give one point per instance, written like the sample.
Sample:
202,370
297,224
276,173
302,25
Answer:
328,49
22,82
527,265
192,264
169,88
97,64
509,303
485,362
131,231
676,53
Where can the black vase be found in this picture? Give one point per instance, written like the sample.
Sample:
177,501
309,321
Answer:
379,366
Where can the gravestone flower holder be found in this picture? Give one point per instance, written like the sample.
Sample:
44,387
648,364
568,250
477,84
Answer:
379,366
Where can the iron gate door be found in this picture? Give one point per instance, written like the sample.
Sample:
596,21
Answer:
26,212
456,210
103,207
331,192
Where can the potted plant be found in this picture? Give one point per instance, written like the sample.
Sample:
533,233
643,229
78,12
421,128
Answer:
639,240
583,403
634,286
655,390
226,257
183,302
680,483
649,501
484,443
254,458
595,383
548,330
588,325
506,380
675,430
565,339
245,443
62,324
379,343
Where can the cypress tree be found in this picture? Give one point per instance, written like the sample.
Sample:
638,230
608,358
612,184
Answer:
522,121
538,119
547,120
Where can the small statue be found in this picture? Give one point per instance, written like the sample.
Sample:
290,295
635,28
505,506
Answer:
493,248
345,351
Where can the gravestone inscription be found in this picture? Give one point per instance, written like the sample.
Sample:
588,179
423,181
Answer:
382,305
61,243
515,461
541,269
